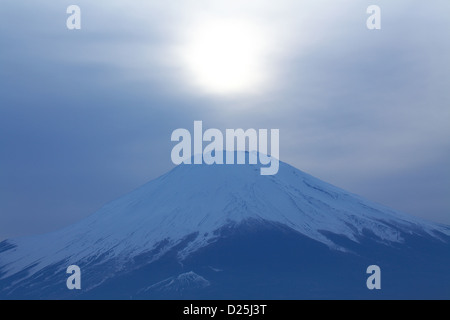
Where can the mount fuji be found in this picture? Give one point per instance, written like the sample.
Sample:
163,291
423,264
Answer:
227,232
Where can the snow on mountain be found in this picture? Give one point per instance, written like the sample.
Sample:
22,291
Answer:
201,199
187,280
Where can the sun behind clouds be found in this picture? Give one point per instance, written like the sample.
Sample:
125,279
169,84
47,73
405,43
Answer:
225,56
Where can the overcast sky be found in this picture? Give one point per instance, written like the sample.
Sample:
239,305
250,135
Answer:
86,115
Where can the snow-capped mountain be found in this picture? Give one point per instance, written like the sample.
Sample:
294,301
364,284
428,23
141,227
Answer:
215,231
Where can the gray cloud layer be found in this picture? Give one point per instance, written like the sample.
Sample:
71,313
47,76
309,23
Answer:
86,115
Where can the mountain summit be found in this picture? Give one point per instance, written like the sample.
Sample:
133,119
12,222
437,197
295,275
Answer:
225,231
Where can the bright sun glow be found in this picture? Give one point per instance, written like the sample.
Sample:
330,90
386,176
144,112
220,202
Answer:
225,56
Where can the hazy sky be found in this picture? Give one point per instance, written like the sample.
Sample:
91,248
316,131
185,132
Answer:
86,115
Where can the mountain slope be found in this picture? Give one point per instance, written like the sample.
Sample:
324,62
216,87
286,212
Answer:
154,233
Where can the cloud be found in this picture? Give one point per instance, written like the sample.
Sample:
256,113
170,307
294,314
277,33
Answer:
87,115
